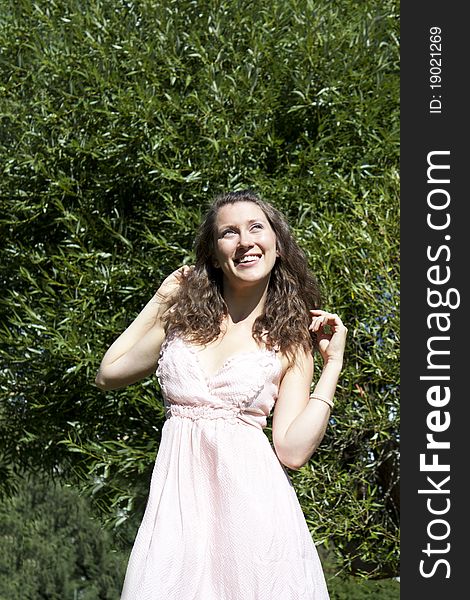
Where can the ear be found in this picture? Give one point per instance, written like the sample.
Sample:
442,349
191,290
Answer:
215,263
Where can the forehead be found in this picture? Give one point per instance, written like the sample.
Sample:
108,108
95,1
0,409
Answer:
239,213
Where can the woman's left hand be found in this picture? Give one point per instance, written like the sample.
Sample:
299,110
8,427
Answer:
331,339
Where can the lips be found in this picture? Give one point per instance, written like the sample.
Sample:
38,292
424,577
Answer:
247,259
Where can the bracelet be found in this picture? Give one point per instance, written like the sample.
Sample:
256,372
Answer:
314,396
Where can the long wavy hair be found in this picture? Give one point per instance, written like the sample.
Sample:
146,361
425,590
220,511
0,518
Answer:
198,308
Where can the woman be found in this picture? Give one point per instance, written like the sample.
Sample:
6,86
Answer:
231,338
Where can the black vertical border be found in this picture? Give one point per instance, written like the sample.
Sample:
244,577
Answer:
423,132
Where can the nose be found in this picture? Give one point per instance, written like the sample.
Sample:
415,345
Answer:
245,240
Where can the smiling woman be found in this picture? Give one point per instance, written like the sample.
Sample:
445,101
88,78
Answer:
231,339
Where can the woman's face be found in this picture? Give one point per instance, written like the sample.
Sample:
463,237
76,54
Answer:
245,243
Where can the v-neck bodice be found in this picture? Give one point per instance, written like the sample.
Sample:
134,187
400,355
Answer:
244,389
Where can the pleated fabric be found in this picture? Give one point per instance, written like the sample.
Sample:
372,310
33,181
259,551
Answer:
222,521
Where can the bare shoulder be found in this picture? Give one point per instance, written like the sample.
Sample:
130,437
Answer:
302,364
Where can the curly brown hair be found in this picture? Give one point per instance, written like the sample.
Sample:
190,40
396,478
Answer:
198,307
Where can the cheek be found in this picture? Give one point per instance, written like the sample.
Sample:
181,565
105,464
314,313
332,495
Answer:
269,241
223,249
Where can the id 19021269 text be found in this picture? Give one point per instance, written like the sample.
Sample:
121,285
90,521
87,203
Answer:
435,70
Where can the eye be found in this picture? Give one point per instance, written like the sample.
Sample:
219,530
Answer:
227,232
257,226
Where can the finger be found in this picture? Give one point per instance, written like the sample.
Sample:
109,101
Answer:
326,316
322,317
314,325
318,323
183,271
333,318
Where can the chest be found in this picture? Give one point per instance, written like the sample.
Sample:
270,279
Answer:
213,356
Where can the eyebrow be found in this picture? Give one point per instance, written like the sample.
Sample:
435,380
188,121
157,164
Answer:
250,222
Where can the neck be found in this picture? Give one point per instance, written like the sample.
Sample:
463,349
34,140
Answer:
247,303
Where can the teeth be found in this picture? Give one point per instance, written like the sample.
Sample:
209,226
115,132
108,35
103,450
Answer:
248,259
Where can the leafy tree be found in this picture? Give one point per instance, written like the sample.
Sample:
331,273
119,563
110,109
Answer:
53,549
119,121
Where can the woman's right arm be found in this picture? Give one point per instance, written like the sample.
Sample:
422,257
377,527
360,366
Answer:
134,355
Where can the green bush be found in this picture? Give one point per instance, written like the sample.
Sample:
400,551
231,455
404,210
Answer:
119,121
53,549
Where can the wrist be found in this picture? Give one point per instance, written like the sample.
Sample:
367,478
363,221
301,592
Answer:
314,396
333,364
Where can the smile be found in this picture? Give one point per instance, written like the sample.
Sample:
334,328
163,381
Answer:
247,259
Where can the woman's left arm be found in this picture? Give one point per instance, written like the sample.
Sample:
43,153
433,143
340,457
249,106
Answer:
300,419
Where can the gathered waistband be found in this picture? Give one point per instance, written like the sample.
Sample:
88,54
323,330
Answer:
231,414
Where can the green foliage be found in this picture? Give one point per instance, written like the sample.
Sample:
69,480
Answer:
52,549
119,120
353,588
342,586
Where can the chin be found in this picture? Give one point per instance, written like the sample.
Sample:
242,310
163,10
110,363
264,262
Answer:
252,277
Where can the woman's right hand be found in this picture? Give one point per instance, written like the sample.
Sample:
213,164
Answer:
172,282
